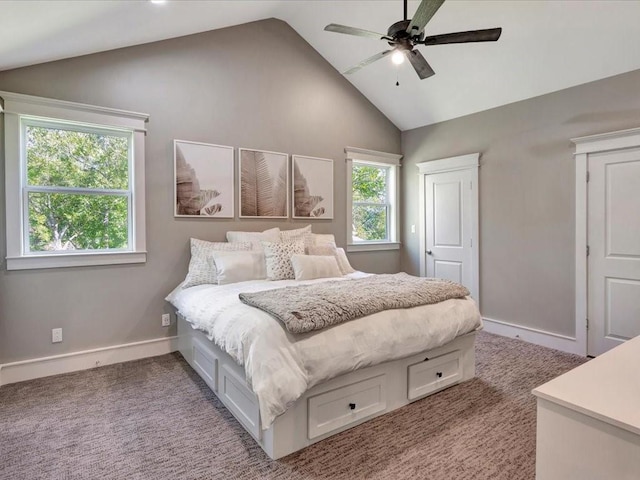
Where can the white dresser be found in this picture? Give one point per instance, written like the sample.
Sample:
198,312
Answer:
589,419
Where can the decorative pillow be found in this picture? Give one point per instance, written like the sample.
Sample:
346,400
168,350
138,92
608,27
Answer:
295,235
315,239
343,262
278,259
270,235
233,267
323,238
308,267
323,250
202,268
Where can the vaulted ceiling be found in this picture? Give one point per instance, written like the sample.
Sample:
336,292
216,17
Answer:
546,45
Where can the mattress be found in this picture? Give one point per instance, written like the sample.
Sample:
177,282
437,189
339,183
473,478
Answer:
281,366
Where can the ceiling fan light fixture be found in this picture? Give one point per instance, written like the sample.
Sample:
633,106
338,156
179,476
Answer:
397,57
405,35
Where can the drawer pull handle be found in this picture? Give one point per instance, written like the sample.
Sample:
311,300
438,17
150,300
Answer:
352,406
439,374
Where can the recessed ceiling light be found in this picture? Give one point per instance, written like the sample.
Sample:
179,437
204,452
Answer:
158,1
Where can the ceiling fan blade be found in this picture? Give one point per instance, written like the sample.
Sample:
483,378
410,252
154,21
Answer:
420,65
425,11
488,35
333,27
367,61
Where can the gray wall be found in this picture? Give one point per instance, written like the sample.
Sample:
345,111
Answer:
527,204
222,87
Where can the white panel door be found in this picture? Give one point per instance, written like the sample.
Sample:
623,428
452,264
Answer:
614,249
449,222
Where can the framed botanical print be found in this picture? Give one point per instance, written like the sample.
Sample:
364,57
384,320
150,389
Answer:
203,175
264,184
312,192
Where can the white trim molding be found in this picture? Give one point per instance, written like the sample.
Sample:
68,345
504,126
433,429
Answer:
586,146
461,162
603,142
373,156
382,159
372,246
20,104
22,110
84,360
532,335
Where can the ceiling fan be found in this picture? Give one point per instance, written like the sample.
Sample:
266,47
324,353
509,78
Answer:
406,34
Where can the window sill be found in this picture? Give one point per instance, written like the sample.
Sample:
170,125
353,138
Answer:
372,246
28,262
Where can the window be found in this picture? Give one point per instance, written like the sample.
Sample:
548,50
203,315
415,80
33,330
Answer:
75,184
372,216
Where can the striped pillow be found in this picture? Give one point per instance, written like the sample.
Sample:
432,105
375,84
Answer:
202,268
295,235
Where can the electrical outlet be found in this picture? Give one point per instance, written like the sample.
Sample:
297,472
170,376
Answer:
413,229
166,319
56,335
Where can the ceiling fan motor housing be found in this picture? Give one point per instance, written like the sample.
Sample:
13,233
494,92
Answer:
401,38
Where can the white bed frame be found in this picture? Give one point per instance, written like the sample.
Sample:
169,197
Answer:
336,405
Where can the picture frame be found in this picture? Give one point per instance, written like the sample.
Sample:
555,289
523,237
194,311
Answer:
204,183
263,184
312,187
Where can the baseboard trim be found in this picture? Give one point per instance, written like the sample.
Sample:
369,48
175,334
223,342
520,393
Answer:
83,360
533,335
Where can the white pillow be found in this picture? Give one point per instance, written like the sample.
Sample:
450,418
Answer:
308,267
233,267
328,249
202,269
295,235
322,238
278,259
332,250
270,235
343,262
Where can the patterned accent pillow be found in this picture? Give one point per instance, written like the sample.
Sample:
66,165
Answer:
295,235
308,267
278,257
270,235
317,239
325,250
202,269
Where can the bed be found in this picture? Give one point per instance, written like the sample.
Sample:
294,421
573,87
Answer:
292,390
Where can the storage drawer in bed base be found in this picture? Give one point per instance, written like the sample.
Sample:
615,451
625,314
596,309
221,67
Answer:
333,406
242,402
433,374
205,362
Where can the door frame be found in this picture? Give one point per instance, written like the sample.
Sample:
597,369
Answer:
585,146
469,162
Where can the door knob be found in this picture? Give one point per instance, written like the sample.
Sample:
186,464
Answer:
429,252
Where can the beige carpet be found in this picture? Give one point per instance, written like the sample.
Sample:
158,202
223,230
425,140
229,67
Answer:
155,419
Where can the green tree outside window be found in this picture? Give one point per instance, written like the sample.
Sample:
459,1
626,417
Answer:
77,189
370,209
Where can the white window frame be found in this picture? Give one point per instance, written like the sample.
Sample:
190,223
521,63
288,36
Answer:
380,159
22,110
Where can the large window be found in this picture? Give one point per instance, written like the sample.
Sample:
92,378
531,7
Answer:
373,203
75,184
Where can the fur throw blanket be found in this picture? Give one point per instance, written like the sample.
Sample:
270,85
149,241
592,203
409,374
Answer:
306,308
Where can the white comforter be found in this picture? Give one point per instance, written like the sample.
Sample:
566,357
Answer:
281,366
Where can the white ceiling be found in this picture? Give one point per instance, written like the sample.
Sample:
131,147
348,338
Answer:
545,45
